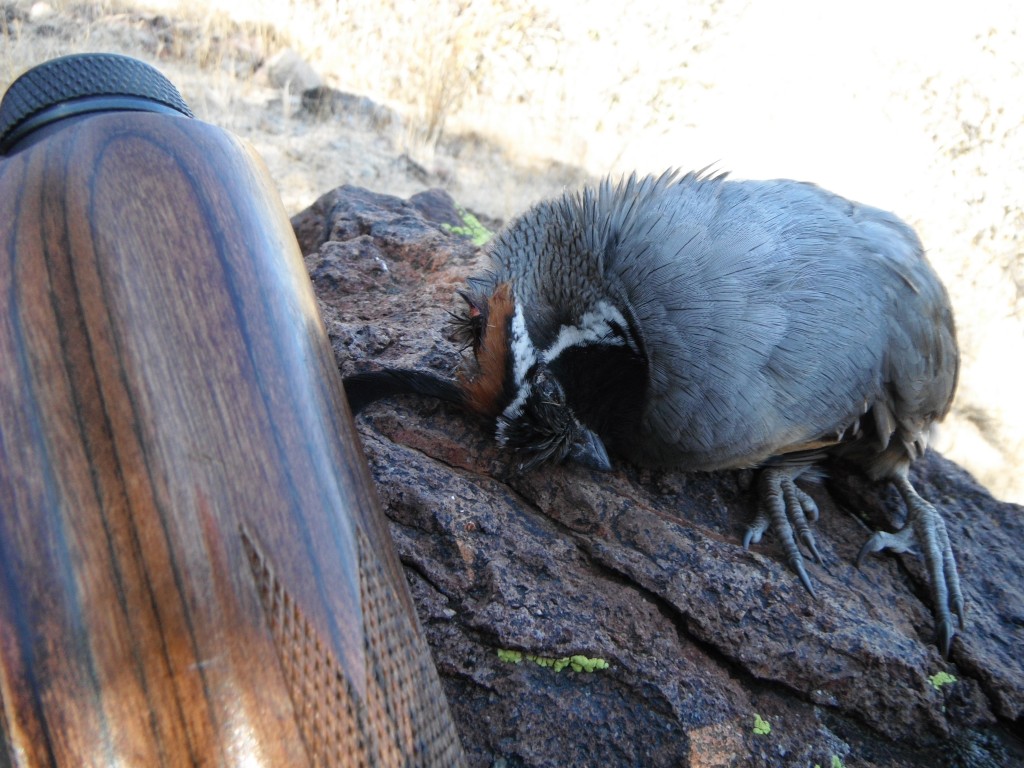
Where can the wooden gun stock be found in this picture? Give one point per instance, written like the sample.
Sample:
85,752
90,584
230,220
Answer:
193,565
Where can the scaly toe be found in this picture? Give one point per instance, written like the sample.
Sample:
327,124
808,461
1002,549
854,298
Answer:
756,529
929,530
807,539
944,634
809,505
798,505
780,503
879,541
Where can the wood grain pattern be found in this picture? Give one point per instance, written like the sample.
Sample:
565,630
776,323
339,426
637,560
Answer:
165,384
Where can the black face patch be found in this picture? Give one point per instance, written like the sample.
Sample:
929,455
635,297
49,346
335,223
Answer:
604,386
543,429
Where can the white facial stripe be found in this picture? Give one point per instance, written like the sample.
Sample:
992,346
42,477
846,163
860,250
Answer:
499,433
523,353
512,411
594,327
524,356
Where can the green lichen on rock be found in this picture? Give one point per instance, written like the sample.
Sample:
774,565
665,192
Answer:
583,664
761,726
471,229
940,679
577,663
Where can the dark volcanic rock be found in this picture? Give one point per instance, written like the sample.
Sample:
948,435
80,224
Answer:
645,570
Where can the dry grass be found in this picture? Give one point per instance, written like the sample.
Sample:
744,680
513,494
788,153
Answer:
913,107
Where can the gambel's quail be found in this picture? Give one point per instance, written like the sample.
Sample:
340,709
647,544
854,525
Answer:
703,324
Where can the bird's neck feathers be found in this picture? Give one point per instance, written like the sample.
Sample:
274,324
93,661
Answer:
489,387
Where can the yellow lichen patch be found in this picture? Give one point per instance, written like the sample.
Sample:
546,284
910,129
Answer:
577,663
940,679
471,229
761,726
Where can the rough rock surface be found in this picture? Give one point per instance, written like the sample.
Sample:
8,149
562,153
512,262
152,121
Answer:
645,570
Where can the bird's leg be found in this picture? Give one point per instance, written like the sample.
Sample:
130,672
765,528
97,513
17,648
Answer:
785,507
926,529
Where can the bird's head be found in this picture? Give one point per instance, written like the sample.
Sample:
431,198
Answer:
520,387
550,397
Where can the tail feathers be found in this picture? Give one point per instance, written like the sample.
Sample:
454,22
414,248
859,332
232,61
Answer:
362,389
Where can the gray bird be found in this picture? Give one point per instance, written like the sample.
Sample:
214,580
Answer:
701,323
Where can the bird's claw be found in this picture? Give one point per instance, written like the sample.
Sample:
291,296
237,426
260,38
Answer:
785,508
925,530
756,529
879,541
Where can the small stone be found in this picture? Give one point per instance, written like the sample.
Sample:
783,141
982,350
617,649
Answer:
287,69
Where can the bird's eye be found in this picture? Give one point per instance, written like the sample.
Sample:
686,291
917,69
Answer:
547,391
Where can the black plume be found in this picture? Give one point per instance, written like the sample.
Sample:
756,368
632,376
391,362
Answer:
361,389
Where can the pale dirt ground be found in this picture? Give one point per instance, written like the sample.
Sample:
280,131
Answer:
912,106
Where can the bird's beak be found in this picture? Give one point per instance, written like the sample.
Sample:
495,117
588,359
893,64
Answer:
588,451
